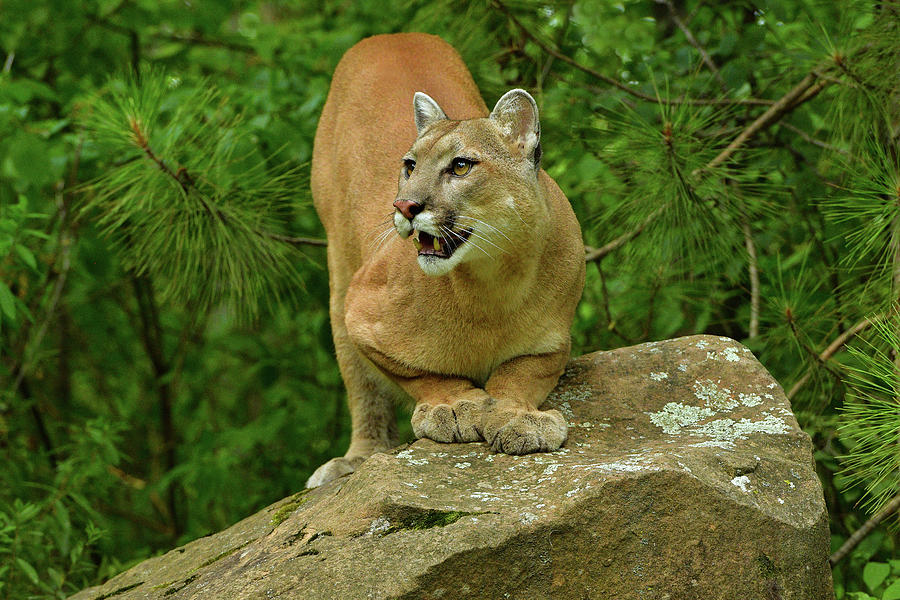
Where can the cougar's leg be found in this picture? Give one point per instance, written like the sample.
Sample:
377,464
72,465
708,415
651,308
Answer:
512,422
448,409
370,397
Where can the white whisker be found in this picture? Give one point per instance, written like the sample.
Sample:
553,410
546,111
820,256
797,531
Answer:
488,225
491,229
485,252
379,241
471,241
446,231
516,210
377,227
484,239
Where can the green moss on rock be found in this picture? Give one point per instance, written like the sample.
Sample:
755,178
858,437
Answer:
428,519
222,555
297,500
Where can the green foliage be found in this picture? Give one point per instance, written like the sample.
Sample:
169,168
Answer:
870,415
166,365
189,192
881,581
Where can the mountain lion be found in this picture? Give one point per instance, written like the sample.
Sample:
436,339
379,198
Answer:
460,296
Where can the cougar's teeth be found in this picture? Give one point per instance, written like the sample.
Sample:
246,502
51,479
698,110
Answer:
437,244
416,242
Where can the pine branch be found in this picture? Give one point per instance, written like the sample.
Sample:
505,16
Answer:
189,192
297,241
187,183
860,534
597,254
806,347
182,177
803,91
611,80
831,350
807,89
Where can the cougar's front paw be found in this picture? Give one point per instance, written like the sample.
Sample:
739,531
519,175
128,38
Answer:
334,468
519,431
457,422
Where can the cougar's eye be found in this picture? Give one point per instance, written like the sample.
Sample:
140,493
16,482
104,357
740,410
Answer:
408,166
461,166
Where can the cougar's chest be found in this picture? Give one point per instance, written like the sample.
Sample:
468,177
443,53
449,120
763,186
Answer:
426,325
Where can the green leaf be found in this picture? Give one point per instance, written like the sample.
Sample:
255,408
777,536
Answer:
874,574
28,570
36,233
7,302
892,592
26,255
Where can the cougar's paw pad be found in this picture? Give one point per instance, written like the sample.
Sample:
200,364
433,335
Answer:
525,431
334,468
457,422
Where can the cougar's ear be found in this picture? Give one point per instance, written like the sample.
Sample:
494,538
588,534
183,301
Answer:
427,111
516,115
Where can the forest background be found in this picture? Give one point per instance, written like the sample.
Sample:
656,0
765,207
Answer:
166,364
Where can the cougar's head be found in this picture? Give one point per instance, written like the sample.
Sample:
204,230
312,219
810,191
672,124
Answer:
468,189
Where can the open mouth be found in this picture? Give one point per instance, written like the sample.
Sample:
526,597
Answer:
440,247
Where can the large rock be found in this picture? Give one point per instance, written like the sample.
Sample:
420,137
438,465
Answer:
685,476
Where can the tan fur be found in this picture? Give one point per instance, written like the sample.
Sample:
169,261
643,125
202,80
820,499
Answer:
479,348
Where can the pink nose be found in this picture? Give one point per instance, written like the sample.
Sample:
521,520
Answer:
408,208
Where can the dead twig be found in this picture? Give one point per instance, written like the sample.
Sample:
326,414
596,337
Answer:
867,527
597,254
611,322
831,350
813,140
753,268
807,89
298,241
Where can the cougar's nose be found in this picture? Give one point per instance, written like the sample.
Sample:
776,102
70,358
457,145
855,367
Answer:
408,208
